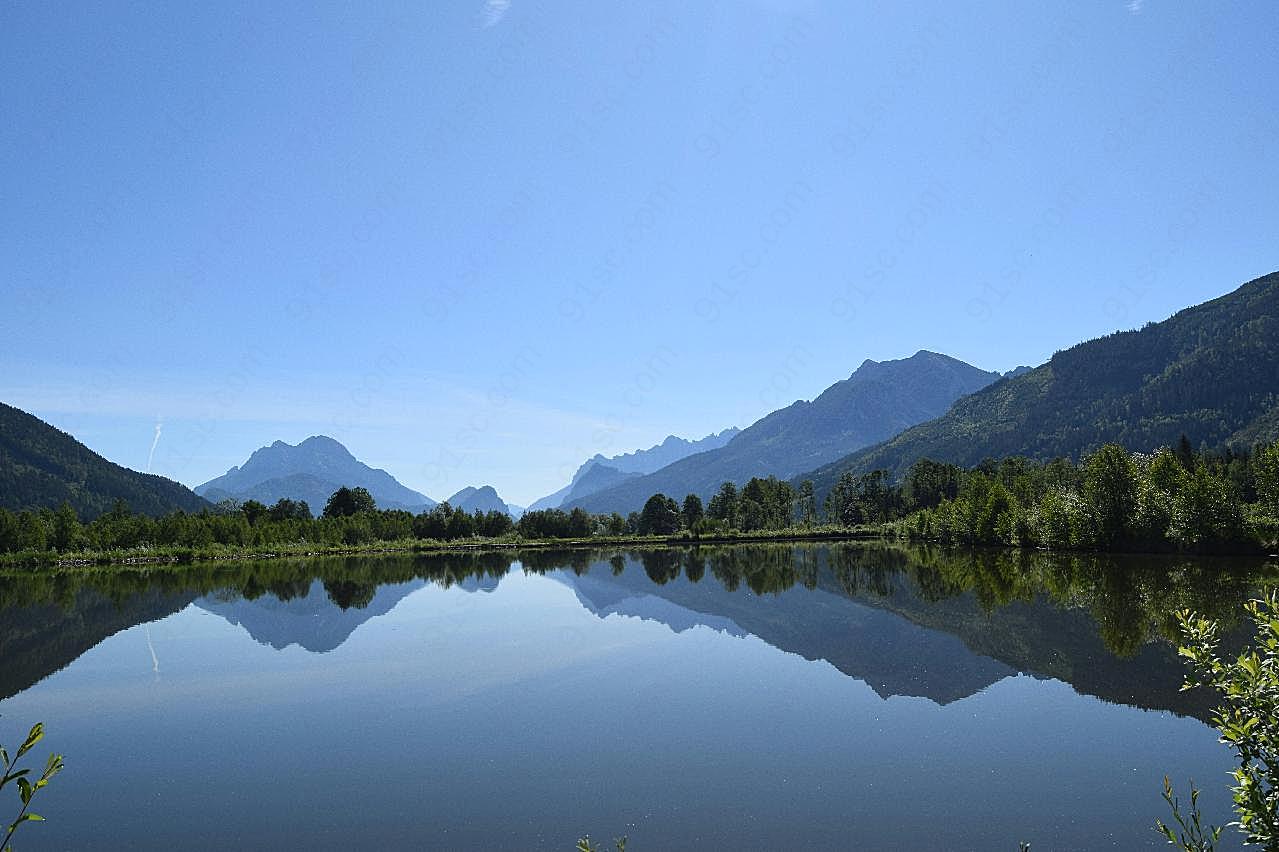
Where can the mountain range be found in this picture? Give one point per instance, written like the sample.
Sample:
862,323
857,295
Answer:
876,402
311,471
42,466
599,472
482,499
1209,372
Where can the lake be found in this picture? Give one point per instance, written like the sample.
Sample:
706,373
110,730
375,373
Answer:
752,697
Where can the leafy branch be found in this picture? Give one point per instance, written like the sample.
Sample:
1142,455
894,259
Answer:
22,778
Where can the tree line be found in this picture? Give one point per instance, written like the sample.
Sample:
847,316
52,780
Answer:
1176,498
350,517
1173,499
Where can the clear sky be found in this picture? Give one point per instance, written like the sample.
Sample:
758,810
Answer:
479,242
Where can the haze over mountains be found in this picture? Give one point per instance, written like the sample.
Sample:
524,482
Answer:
1210,372
483,499
311,471
876,402
599,472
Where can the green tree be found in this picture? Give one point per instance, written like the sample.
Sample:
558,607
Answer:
928,483
460,525
723,505
842,498
807,503
10,540
751,514
253,511
1266,467
349,501
1185,454
580,523
1205,512
1248,718
67,532
660,516
31,534
1111,487
285,509
994,522
877,496
691,512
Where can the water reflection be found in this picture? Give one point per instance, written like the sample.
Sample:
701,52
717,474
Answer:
941,624
515,701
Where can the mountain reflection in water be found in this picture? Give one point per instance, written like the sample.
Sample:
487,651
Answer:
940,624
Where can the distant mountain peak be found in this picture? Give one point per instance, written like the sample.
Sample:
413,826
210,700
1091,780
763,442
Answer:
878,400
321,442
870,368
311,470
484,498
1209,372
626,465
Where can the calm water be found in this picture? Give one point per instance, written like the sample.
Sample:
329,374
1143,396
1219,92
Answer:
850,696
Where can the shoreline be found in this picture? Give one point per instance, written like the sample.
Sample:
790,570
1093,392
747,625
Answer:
421,546
142,559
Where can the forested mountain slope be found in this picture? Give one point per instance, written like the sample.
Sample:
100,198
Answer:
1210,372
41,466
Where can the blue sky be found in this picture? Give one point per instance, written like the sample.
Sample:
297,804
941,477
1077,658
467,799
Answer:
479,242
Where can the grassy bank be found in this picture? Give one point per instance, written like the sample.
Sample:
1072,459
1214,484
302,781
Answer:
162,555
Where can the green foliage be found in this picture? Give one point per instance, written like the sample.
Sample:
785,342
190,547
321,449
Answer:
723,506
22,778
691,512
766,504
1209,373
660,516
806,503
866,499
1114,500
1190,834
285,509
580,523
346,502
1110,489
1205,512
544,523
42,467
1267,479
585,844
762,504
928,483
1248,717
